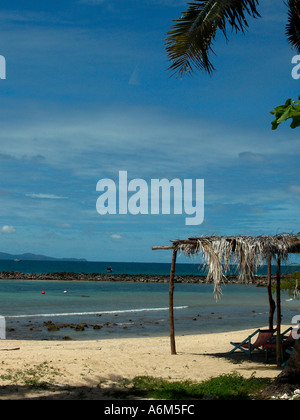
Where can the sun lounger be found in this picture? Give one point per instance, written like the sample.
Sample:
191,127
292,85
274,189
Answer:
287,342
263,337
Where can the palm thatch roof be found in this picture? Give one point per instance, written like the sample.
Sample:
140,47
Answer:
246,253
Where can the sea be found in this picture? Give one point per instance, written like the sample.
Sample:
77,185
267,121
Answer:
96,310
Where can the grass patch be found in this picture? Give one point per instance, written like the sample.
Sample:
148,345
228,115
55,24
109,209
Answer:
225,387
32,375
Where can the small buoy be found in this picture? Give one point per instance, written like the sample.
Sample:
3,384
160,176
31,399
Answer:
43,292
65,291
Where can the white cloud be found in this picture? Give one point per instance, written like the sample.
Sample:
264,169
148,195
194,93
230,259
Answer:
46,196
115,236
12,16
253,157
144,131
7,229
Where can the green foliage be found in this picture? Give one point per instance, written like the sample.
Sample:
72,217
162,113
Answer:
290,284
291,109
189,41
225,387
292,27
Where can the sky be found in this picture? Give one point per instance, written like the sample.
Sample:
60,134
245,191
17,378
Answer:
88,94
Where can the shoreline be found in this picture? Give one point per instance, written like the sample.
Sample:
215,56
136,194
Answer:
258,280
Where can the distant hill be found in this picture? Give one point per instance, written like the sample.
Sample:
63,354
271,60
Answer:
34,257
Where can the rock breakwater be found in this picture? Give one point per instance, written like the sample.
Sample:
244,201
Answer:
110,277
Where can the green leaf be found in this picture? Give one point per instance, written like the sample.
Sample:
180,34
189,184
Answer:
288,102
296,122
290,110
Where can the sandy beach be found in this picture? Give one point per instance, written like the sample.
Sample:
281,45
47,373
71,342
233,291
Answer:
89,369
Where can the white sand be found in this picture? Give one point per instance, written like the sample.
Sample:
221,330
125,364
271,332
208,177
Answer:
88,363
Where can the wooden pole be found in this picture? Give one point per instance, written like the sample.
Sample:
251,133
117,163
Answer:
278,302
171,305
271,300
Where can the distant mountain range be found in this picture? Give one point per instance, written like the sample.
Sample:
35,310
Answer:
34,257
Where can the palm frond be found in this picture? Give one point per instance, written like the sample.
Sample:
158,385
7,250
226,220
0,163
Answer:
189,41
293,25
246,253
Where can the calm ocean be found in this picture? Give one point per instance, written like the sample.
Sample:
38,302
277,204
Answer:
117,309
101,267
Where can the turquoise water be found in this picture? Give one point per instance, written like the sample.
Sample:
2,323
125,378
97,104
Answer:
130,309
115,309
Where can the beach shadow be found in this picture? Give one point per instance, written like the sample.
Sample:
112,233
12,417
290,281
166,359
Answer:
56,392
240,357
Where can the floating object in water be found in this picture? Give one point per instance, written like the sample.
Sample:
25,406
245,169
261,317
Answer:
43,292
65,291
109,270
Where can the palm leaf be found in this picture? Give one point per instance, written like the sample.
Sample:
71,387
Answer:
293,25
189,41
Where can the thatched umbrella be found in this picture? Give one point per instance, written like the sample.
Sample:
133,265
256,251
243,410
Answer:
247,253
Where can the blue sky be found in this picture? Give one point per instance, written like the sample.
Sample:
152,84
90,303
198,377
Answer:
88,94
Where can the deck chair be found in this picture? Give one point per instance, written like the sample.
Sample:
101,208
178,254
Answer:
287,342
263,337
285,338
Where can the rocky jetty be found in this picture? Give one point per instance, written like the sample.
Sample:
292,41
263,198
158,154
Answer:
140,278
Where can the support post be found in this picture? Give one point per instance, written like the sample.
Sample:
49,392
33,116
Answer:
278,302
272,305
171,305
